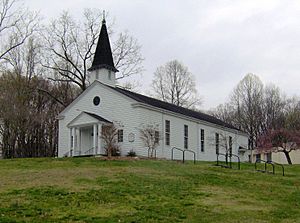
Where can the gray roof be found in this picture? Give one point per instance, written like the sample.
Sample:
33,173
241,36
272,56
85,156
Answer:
97,117
173,108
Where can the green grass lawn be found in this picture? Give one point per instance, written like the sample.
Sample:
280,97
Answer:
93,190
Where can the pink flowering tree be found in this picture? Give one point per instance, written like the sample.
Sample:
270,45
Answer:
280,140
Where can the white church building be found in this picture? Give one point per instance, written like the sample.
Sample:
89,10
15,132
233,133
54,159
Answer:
104,103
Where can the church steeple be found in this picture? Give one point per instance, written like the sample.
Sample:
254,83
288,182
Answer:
103,68
103,56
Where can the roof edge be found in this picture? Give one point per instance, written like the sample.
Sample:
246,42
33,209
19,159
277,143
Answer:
108,67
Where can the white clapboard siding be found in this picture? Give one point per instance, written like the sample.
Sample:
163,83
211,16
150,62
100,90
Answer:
119,108
113,107
149,116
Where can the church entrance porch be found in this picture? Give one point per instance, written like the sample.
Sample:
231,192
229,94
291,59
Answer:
85,135
86,140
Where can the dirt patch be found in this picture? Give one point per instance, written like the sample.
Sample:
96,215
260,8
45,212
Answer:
126,158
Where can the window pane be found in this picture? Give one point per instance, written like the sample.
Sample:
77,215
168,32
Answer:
185,143
202,140
167,139
167,126
186,135
167,132
156,137
120,135
217,143
186,130
230,145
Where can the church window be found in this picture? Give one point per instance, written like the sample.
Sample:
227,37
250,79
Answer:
202,140
230,145
186,136
120,135
167,132
156,137
109,75
217,143
96,100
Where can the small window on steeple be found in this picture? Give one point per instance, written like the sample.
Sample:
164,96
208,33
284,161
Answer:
97,74
109,75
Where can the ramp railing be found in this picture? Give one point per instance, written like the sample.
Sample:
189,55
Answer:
228,160
183,153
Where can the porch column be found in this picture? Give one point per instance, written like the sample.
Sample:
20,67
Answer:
95,128
79,141
99,138
73,141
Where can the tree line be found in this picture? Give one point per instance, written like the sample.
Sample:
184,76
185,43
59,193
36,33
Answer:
261,111
43,67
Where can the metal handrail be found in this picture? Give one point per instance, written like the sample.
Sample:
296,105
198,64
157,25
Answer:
226,159
183,153
230,155
271,162
265,162
88,151
190,151
172,152
69,153
239,160
149,153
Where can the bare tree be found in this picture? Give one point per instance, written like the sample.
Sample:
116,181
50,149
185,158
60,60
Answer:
226,113
150,136
109,136
26,60
273,106
29,118
220,140
71,45
127,55
133,85
255,108
16,25
292,114
174,83
247,99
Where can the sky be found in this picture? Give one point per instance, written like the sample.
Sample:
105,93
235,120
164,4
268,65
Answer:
220,41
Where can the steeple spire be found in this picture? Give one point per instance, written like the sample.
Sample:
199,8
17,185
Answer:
103,20
103,55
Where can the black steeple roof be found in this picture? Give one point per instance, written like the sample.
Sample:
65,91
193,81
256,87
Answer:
103,56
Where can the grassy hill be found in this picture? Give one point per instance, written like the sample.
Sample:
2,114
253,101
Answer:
93,190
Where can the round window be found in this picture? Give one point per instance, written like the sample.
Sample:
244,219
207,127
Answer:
96,100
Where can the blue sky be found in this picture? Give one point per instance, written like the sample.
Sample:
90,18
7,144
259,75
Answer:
220,41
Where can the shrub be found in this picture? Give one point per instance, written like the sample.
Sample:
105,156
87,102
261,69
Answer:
131,153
